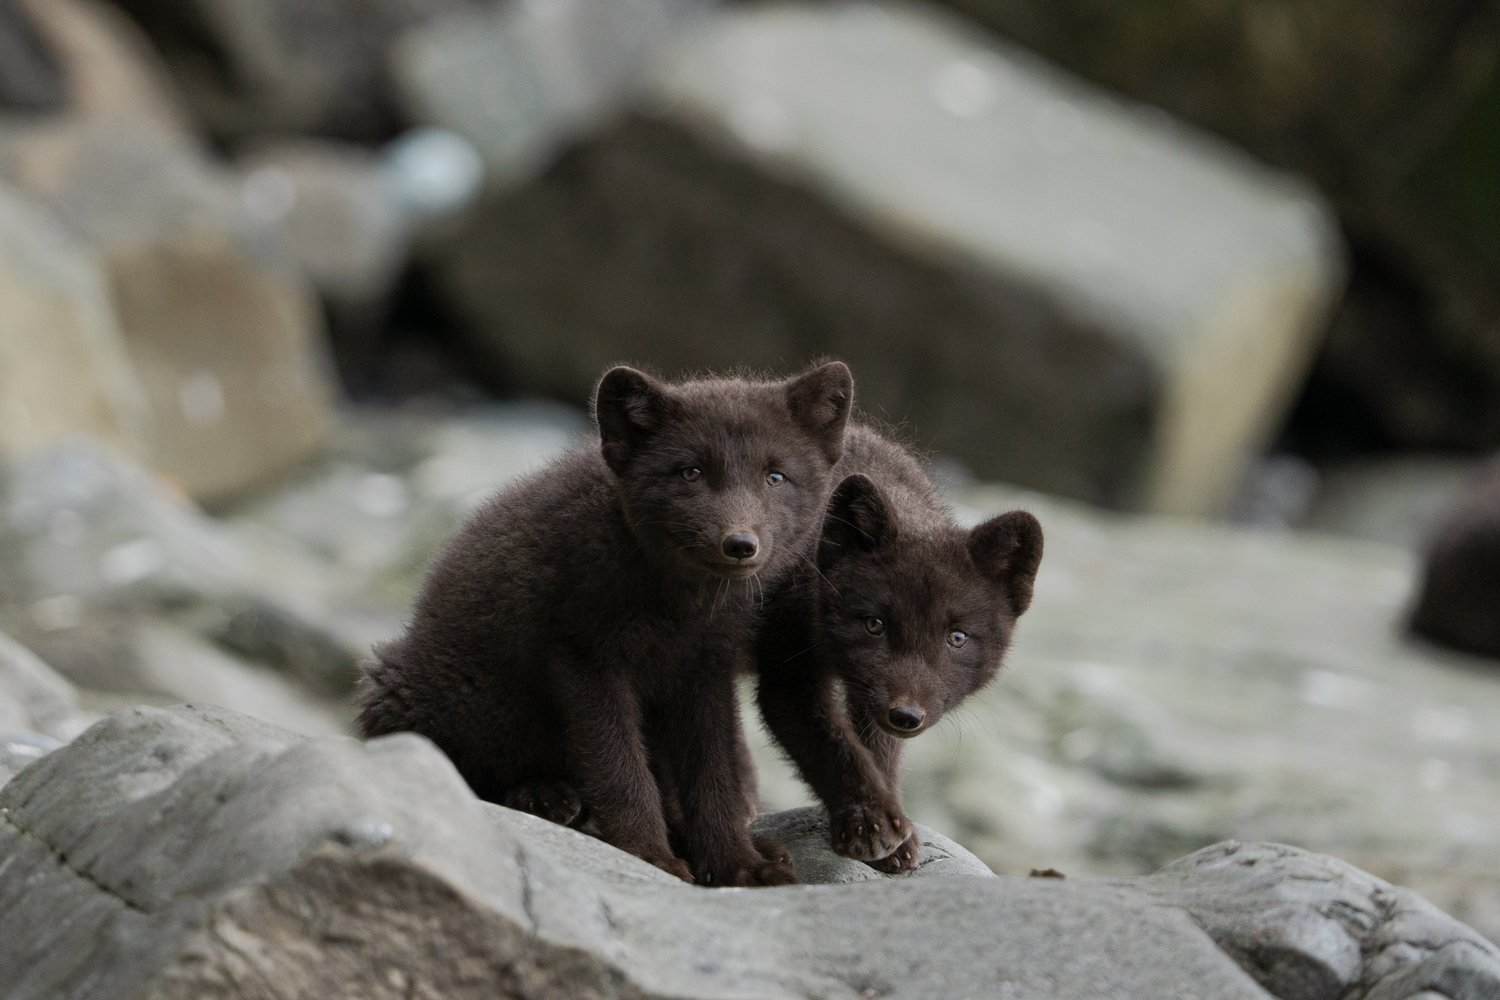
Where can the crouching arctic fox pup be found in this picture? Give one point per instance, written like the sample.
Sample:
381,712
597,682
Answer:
573,649
904,615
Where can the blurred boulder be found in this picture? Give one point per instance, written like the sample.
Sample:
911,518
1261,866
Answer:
124,587
257,67
1061,290
63,366
1392,107
222,333
222,337
194,853
1458,602
520,80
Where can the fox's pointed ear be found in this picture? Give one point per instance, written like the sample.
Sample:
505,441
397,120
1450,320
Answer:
858,519
630,407
819,402
1007,551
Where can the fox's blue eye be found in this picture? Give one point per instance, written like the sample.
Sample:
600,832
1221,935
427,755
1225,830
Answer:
875,626
692,473
956,638
775,478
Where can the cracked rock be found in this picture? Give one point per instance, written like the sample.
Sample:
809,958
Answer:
1309,927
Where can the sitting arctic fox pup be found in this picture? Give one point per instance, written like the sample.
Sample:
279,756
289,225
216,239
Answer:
574,648
904,615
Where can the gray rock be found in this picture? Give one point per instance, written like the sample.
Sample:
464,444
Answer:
221,332
200,854
34,699
190,338
123,586
1309,927
214,858
1081,328
1324,89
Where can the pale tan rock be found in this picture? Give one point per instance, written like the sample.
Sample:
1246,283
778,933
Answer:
220,328
63,366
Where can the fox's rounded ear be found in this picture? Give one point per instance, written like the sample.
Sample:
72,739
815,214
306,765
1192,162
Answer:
1007,551
629,406
819,402
858,519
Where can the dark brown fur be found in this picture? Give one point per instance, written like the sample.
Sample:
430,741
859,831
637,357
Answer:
1458,603
852,652
583,629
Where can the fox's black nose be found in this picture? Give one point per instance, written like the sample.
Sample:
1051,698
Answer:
906,718
740,545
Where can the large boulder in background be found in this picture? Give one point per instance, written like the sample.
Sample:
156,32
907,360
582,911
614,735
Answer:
197,854
1392,107
1062,290
219,326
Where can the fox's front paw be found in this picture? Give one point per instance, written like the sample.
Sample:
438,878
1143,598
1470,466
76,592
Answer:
902,859
867,831
551,800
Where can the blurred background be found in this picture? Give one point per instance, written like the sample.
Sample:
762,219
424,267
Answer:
1213,288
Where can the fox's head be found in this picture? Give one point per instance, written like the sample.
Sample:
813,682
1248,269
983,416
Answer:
916,620
724,476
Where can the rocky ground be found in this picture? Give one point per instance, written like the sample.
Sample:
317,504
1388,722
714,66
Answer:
1174,686
196,853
